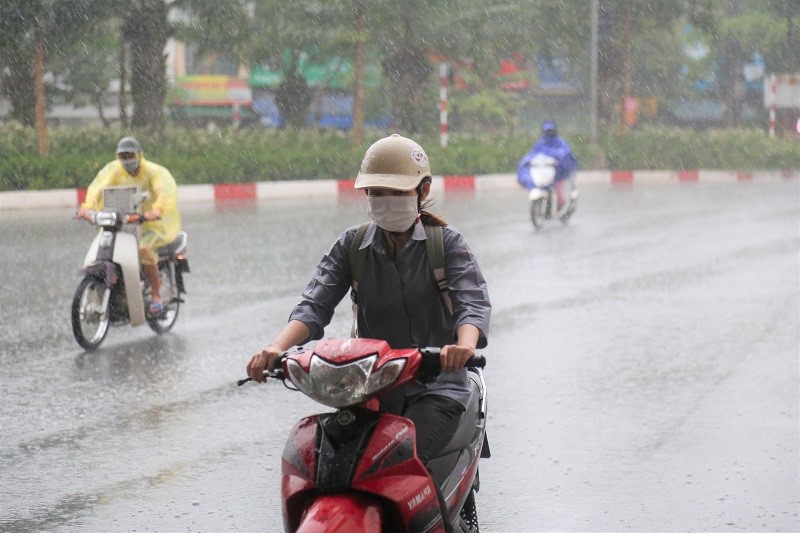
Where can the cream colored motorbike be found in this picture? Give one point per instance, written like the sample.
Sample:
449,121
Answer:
112,290
543,197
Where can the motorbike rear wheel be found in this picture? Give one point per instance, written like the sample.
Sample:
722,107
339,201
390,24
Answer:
89,316
573,205
566,216
170,296
538,211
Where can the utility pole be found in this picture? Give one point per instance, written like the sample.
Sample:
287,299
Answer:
358,85
593,76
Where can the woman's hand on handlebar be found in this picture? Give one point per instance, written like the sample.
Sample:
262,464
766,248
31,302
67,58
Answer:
454,357
266,358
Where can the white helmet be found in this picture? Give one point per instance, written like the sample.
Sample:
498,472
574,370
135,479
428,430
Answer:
394,162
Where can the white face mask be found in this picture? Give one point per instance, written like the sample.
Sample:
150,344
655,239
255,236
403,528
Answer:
393,213
130,164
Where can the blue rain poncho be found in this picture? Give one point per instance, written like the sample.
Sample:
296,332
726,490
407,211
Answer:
558,149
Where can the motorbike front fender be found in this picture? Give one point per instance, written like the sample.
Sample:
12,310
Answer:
91,254
104,271
537,194
342,512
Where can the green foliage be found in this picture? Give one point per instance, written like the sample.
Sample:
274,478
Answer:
214,27
64,25
495,110
660,148
253,155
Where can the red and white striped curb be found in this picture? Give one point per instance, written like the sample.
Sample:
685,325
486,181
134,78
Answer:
253,191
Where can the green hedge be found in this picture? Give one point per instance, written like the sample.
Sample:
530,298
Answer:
254,154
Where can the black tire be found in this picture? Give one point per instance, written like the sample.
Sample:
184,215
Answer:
469,513
565,218
538,211
89,319
171,298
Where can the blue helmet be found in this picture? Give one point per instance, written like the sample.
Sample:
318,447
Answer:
549,129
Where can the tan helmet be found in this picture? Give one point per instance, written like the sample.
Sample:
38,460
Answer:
394,162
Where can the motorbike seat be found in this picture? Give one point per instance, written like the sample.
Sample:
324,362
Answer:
467,422
175,247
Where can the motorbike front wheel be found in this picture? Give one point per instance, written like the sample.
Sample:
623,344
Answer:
171,298
89,315
538,209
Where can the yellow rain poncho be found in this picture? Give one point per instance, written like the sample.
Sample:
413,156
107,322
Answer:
163,194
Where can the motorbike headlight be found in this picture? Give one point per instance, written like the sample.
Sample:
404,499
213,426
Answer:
105,218
343,385
542,176
385,376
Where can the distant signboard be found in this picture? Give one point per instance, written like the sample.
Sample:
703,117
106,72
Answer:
782,91
335,73
211,91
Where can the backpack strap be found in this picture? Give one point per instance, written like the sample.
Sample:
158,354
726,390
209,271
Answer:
434,248
357,255
356,266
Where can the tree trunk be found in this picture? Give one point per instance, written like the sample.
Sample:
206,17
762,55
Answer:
147,29
293,97
123,81
17,85
407,70
732,85
41,121
627,58
791,55
608,62
98,103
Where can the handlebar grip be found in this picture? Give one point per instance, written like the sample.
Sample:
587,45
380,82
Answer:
476,361
430,366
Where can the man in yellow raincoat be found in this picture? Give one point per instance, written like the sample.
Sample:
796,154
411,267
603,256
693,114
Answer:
160,207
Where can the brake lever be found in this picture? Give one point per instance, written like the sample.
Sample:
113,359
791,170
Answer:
275,374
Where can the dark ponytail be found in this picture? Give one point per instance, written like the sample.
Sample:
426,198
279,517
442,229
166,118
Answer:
427,218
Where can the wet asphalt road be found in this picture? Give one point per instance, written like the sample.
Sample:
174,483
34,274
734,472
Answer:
643,367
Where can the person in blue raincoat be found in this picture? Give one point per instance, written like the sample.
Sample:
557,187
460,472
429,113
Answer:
550,144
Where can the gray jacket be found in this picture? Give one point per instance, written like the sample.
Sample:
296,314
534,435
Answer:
398,301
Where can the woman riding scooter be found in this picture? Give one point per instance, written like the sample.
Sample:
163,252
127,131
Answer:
160,207
397,299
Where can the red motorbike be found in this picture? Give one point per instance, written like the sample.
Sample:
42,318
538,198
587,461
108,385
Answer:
356,469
